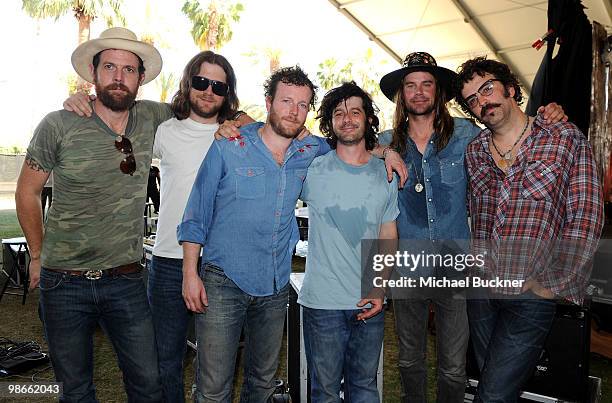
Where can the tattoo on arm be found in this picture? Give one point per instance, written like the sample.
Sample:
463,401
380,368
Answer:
32,164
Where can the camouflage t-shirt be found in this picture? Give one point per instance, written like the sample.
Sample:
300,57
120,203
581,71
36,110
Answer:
96,218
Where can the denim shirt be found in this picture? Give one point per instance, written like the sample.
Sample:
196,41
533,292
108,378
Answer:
439,211
241,209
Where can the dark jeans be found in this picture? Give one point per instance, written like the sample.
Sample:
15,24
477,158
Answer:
72,307
171,320
230,311
339,346
507,336
452,337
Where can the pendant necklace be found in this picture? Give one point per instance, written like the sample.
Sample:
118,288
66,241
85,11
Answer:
506,158
418,187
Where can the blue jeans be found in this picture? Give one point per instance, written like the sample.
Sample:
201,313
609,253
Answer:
72,307
452,337
230,311
508,336
171,320
337,345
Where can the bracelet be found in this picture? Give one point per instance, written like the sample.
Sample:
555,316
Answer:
237,115
386,151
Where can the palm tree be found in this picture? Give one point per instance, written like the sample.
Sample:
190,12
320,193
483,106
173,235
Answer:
85,11
212,28
268,56
165,83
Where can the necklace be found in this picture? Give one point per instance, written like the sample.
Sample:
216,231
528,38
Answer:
418,187
506,158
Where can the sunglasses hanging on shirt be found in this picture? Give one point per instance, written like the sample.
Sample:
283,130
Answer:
201,84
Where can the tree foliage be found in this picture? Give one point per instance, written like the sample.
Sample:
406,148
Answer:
212,27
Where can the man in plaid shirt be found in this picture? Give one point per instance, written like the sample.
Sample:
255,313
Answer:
536,203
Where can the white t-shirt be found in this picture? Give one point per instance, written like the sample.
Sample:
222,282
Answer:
181,146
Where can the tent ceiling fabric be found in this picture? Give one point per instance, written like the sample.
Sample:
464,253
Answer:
456,30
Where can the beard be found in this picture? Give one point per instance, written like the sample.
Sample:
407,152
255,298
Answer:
204,112
350,139
420,111
277,125
115,102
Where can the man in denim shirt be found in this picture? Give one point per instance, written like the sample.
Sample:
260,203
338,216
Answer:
432,206
241,209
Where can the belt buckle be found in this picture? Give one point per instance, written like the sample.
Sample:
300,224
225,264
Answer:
93,274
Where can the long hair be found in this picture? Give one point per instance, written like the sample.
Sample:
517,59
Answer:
444,124
181,106
342,93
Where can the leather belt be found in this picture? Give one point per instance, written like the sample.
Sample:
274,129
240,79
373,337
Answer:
99,273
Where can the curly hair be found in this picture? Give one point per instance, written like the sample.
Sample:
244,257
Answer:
292,76
481,65
181,106
342,93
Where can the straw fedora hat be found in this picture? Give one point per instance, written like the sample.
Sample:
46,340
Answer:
116,38
418,61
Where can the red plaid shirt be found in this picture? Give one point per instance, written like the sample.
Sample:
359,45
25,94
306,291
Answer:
550,195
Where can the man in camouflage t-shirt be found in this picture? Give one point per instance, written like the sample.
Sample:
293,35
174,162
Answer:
93,233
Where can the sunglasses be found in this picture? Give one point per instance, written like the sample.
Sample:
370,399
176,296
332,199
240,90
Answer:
485,90
128,164
201,84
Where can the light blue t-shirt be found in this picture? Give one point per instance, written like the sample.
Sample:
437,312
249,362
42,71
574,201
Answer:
346,204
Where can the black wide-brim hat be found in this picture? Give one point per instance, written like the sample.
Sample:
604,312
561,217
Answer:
418,61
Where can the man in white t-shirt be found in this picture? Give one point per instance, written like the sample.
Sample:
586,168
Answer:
206,97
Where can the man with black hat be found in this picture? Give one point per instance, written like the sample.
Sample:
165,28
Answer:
432,207
90,256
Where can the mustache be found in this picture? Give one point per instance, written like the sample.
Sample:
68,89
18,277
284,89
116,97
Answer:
117,86
488,107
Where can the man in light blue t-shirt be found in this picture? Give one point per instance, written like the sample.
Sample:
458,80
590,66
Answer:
349,199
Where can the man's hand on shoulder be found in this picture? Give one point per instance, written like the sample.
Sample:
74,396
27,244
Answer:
552,113
79,104
394,162
228,129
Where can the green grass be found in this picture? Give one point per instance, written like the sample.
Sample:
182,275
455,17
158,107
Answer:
9,226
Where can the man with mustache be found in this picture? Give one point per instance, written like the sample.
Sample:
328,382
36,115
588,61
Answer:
432,207
349,200
241,210
90,255
530,185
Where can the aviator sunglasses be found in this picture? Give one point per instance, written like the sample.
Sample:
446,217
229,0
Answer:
128,164
201,84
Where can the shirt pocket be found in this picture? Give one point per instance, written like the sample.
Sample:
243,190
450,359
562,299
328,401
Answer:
480,180
540,180
250,182
295,180
452,170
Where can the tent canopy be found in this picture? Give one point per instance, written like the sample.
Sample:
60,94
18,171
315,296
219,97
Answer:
456,30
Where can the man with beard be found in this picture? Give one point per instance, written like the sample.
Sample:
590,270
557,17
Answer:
349,200
533,183
241,210
90,256
432,207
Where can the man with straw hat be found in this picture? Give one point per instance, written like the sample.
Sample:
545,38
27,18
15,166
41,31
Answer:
90,255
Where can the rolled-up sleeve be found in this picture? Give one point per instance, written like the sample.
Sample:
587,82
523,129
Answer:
199,211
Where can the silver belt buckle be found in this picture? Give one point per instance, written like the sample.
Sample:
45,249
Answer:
93,274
